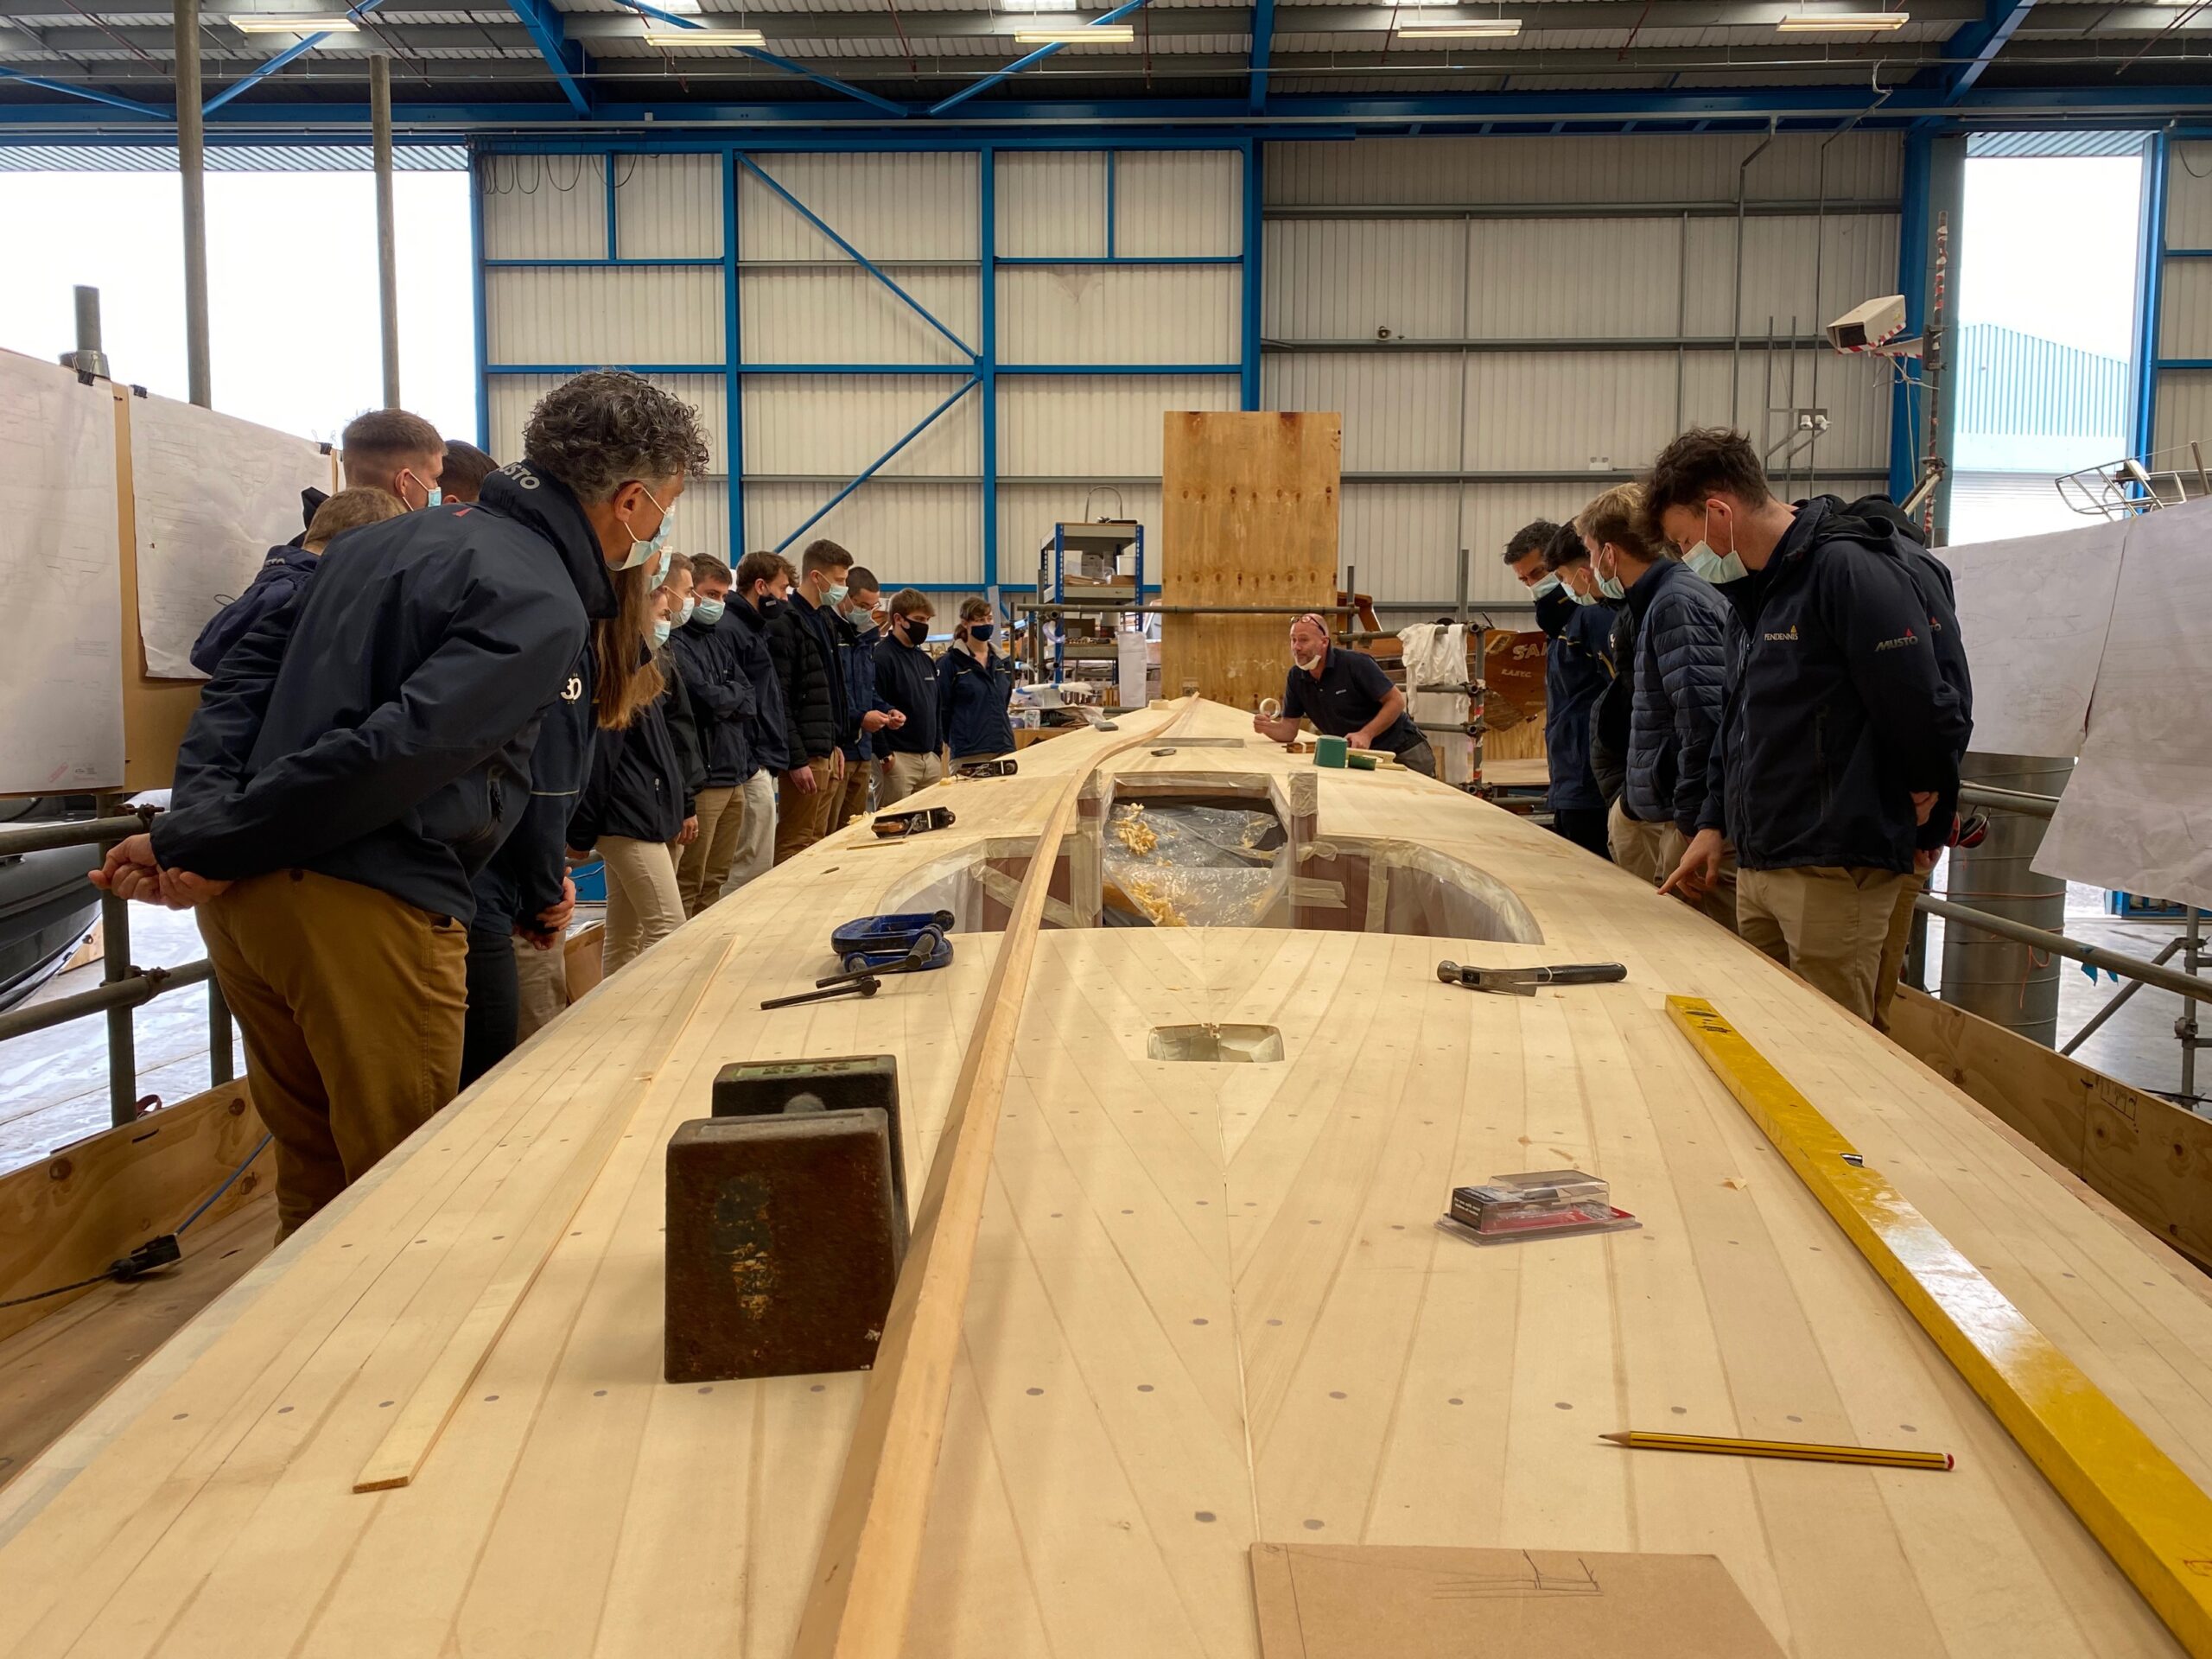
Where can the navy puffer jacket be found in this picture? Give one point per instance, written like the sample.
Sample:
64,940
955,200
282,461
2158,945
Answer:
1681,665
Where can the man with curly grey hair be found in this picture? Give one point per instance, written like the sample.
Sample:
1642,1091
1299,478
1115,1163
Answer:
365,749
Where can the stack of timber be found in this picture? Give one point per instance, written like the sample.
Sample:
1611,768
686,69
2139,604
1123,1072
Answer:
1203,1306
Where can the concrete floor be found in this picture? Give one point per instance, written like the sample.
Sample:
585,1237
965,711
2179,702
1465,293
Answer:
54,1083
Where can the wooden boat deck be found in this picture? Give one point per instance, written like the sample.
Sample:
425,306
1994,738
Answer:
1209,1307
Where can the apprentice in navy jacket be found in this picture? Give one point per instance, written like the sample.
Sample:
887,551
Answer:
638,788
711,657
379,728
1577,670
971,703
805,655
1682,654
1836,709
274,585
856,643
767,729
906,679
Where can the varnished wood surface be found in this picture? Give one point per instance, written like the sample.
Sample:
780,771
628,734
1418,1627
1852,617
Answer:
1207,1308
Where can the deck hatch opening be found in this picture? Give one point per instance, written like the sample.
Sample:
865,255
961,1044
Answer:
1231,1044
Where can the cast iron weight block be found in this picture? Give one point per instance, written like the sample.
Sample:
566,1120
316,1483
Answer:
839,1083
782,1253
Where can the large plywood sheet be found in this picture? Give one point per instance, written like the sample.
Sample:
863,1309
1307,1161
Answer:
60,641
212,494
1249,518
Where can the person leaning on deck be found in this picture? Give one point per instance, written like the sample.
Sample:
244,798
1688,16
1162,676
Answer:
366,749
1345,694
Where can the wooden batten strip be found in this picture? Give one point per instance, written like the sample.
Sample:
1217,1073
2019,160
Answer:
2153,1521
862,1589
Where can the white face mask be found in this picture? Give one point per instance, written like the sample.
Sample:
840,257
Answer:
683,613
1550,584
1309,663
1581,598
710,610
640,551
660,631
1714,567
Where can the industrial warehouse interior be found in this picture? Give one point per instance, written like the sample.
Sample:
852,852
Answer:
1199,827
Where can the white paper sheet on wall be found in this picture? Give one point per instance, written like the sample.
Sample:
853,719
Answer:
214,495
60,631
2136,815
2035,612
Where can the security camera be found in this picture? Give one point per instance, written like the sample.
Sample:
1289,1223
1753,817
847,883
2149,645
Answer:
1870,325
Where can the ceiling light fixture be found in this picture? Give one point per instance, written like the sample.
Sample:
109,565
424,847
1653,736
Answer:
1485,28
680,8
705,37
1830,23
1095,34
294,23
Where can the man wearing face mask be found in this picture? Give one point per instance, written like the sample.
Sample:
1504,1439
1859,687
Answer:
362,752
1345,695
390,450
705,647
805,648
762,590
1577,669
867,717
1844,718
905,682
1674,709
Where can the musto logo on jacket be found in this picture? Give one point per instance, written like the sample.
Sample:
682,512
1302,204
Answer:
1908,638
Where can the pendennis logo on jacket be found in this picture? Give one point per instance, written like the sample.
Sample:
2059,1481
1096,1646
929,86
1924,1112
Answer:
1788,635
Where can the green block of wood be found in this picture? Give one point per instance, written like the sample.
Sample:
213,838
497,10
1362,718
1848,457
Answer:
1331,751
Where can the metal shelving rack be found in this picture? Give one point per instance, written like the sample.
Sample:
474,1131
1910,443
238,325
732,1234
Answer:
1101,588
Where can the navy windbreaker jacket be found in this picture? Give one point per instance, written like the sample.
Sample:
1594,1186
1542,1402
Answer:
1578,667
856,663
711,657
1681,658
274,585
524,876
1836,707
378,730
971,703
637,787
771,748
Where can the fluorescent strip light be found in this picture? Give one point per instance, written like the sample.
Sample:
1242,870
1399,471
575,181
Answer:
1487,29
680,8
1830,23
272,23
1097,34
705,37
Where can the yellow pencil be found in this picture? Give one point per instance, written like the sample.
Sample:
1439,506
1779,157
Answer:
1721,1445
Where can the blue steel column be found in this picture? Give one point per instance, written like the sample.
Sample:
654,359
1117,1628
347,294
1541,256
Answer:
1255,201
476,161
987,362
1912,282
2150,291
733,366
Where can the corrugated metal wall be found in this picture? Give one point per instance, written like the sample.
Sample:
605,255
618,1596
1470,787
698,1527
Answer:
1524,320
2183,411
1506,324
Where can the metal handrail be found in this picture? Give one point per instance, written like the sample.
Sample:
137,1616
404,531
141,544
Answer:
140,985
2008,800
46,836
2114,962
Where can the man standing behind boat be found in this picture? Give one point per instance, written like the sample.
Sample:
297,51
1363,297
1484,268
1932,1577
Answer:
1839,748
1345,695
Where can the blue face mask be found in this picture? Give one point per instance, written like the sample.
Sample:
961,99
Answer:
437,497
1715,567
835,596
1550,584
1582,599
660,631
1611,588
640,551
709,611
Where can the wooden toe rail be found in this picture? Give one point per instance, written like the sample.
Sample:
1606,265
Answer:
864,1585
